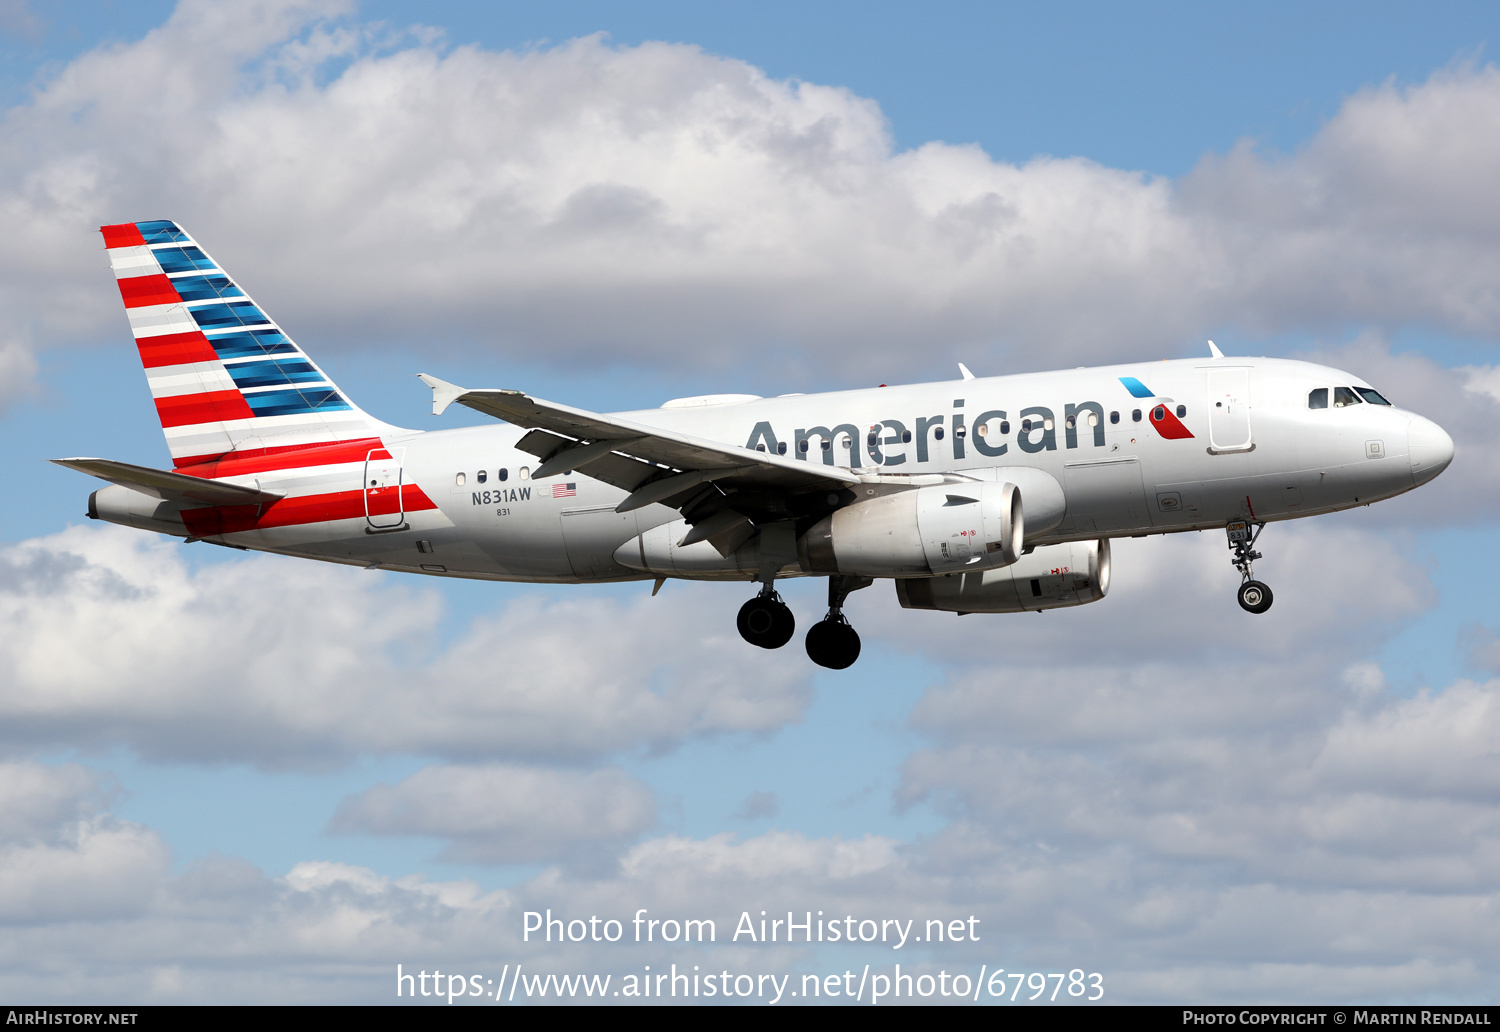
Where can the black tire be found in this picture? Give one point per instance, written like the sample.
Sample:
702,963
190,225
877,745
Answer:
766,622
1255,597
832,644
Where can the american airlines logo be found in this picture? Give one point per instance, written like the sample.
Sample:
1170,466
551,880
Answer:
886,443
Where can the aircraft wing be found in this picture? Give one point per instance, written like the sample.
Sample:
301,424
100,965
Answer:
653,464
171,487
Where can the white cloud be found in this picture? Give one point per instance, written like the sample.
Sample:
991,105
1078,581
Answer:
504,813
110,637
662,205
62,857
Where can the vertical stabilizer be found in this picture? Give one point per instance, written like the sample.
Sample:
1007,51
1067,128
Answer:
225,378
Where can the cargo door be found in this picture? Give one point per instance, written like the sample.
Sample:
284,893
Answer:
592,534
1105,496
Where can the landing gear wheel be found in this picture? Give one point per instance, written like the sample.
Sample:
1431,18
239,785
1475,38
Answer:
1255,597
766,621
832,643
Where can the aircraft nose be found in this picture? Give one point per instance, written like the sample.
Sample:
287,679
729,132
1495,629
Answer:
1430,447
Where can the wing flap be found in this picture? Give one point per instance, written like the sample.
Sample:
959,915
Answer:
170,487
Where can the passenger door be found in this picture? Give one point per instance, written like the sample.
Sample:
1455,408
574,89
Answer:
1229,409
382,489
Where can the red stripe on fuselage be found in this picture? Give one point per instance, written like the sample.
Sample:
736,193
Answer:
1168,425
175,349
126,234
144,291
291,456
290,512
204,407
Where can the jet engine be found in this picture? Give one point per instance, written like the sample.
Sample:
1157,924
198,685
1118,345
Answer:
922,531
1051,577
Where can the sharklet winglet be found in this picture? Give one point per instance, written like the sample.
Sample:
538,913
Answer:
443,392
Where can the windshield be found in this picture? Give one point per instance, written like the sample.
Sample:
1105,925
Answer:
1372,396
1343,396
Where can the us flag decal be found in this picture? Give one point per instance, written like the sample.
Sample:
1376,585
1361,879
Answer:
564,490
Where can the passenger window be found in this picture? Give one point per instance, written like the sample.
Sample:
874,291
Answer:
459,480
480,476
1372,396
983,429
1114,417
802,446
1135,416
1343,396
760,447
504,473
1181,411
1005,426
906,437
524,473
781,448
1318,398
937,433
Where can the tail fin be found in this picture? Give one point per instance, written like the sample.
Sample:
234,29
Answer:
225,378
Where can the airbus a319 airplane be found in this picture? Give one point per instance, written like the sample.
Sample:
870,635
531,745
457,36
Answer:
979,495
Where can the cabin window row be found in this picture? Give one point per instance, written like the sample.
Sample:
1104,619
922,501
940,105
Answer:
502,474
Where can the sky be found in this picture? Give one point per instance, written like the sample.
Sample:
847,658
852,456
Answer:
241,778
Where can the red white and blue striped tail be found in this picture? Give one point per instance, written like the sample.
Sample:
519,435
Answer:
225,378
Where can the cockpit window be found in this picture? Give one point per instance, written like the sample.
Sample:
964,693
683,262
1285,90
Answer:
1318,398
1343,396
1372,396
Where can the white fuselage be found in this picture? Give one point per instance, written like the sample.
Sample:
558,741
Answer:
1257,451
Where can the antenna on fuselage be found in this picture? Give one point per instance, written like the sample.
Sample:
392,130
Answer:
1213,349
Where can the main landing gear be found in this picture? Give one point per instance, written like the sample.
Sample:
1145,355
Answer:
765,621
832,642
1254,596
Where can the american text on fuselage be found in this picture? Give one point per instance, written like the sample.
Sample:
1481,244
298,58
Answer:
980,495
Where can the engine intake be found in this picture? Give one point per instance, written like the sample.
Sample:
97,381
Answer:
1052,577
921,531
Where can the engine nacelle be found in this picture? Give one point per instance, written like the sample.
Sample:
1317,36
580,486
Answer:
921,531
1052,577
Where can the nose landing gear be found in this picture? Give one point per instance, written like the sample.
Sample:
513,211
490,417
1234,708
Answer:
1254,596
832,642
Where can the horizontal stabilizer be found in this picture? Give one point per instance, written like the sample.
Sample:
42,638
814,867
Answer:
170,487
